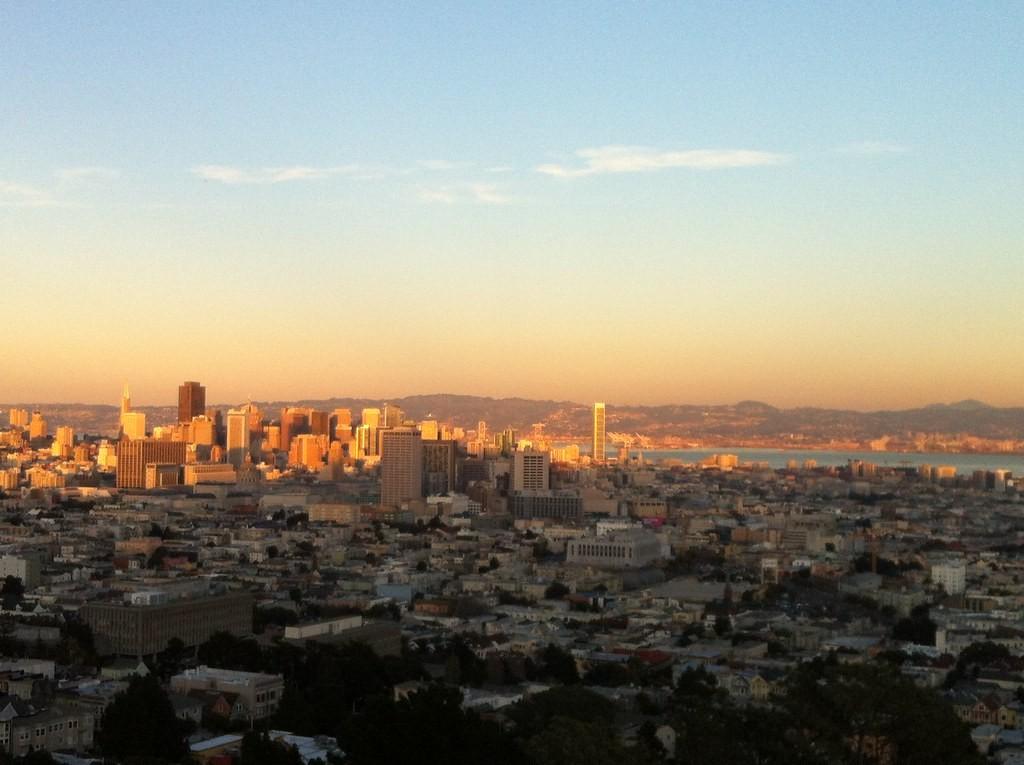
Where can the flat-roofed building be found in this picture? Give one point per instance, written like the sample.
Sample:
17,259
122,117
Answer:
530,470
210,472
384,637
331,512
143,630
26,566
259,693
54,729
401,466
191,401
439,467
160,475
133,455
562,506
628,549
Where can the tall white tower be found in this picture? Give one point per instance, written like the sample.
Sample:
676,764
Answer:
597,452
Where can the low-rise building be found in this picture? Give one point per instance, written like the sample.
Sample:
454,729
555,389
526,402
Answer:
258,693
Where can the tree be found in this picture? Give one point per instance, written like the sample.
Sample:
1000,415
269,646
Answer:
722,625
535,714
169,661
140,722
282,617
917,628
156,560
608,675
429,725
77,644
559,665
465,665
556,591
258,749
12,592
570,742
858,713
226,651
983,654
326,684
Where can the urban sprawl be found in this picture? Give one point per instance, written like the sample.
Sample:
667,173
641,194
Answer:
297,585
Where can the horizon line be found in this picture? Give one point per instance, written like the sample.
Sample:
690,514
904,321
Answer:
291,401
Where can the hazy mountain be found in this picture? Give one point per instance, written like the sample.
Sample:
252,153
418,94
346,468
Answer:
746,421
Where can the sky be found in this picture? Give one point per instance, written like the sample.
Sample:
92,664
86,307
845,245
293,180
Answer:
810,204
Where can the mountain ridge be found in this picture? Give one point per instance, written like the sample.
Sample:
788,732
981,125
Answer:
745,422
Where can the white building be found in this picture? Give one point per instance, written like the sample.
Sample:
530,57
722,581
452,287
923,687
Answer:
27,567
629,549
952,575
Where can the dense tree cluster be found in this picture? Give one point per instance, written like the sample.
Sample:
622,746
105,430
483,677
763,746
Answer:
825,714
140,723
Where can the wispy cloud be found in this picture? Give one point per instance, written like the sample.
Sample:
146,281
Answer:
233,176
464,193
21,195
873,147
436,196
441,164
488,194
87,173
500,169
643,159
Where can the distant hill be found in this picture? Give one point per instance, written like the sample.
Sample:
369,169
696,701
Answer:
747,422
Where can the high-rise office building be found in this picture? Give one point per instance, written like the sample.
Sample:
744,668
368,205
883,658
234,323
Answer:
401,466
64,442
133,425
294,422
393,416
597,451
307,450
238,441
507,440
255,422
371,417
428,430
191,401
217,416
439,467
319,423
19,418
203,431
366,441
341,422
530,470
133,455
274,437
37,427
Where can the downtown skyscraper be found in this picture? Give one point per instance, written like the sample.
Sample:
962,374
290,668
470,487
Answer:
401,466
191,401
597,445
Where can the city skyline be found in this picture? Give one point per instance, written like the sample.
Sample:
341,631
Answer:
474,381
370,397
812,206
